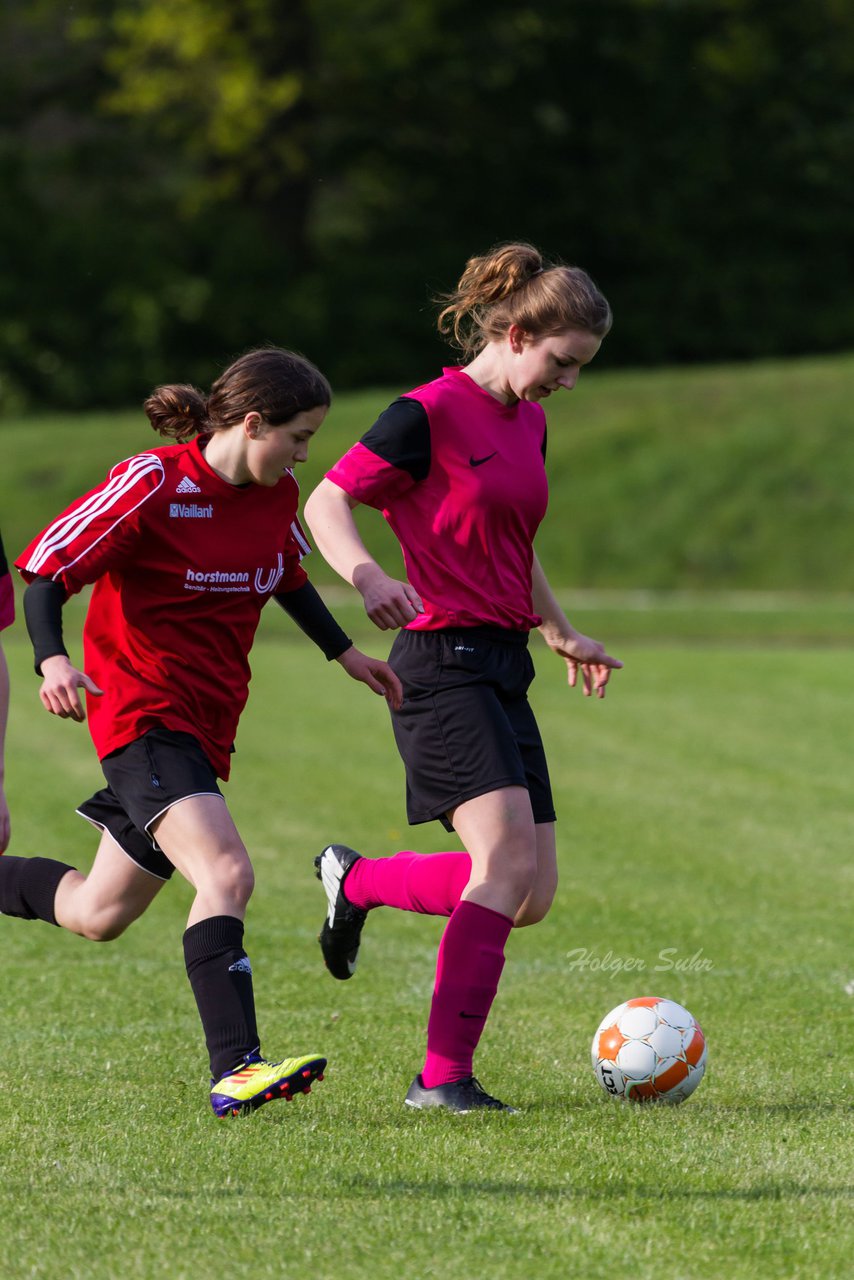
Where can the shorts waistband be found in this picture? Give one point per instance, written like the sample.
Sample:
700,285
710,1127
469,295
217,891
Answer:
496,635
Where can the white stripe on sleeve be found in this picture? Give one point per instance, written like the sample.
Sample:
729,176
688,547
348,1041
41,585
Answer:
68,528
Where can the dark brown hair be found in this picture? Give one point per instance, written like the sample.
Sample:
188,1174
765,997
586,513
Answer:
276,383
513,284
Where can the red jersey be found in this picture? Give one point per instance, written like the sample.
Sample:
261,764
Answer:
461,479
7,594
182,563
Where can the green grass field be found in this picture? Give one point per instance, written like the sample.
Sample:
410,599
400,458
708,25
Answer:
705,833
705,829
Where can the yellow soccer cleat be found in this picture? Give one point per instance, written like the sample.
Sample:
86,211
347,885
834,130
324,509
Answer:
258,1081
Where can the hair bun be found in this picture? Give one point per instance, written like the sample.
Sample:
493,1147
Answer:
178,412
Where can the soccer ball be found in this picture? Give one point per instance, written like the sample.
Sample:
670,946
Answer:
649,1050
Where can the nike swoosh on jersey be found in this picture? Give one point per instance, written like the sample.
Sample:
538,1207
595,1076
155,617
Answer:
478,462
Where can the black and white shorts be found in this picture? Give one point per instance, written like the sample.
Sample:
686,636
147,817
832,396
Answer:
144,779
466,726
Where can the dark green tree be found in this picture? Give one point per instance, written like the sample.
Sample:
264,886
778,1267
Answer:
184,178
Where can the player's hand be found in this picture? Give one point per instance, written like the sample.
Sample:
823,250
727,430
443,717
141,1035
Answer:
373,672
59,688
589,657
389,603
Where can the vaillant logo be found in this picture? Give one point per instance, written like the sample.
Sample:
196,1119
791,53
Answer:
190,511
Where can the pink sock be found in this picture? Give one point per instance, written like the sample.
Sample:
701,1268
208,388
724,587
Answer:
429,883
471,957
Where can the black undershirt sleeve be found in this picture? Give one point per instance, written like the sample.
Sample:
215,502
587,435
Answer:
312,617
43,601
401,437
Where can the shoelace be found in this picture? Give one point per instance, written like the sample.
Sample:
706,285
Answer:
476,1089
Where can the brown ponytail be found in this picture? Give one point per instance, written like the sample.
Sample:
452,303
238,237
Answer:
179,412
512,284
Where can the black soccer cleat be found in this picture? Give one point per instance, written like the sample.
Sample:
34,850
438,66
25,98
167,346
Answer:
460,1096
342,929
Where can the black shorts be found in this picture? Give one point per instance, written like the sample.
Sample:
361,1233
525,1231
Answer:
466,726
144,779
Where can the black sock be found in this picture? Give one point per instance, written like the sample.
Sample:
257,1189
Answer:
221,978
28,887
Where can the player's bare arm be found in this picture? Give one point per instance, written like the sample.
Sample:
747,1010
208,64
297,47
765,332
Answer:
577,649
389,603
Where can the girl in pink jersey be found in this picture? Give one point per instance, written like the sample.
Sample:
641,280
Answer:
457,468
184,544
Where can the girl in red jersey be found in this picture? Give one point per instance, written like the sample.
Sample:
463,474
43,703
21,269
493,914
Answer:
457,468
185,544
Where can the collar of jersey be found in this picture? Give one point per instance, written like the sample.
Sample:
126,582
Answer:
466,382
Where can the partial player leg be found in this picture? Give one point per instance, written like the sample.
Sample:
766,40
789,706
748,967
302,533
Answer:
199,837
541,896
498,830
428,884
28,887
99,906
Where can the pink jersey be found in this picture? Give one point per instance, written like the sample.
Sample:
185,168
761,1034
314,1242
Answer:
182,563
461,480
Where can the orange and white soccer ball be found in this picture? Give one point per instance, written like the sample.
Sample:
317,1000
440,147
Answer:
649,1050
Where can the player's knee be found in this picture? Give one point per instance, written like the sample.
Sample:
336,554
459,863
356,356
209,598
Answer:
236,881
104,925
538,903
518,869
535,909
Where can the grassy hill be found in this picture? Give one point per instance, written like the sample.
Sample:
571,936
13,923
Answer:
705,830
720,477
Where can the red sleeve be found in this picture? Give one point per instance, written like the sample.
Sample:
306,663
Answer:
299,540
297,546
7,602
369,478
96,533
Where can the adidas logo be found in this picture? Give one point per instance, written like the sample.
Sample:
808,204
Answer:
187,486
241,966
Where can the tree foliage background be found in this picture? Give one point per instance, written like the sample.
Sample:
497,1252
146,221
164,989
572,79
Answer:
185,178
